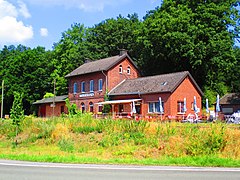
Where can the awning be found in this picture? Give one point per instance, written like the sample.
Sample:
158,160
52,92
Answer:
119,101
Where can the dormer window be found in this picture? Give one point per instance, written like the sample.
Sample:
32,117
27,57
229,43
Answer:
120,69
164,83
128,70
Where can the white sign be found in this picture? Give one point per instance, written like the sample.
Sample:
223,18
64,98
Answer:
86,95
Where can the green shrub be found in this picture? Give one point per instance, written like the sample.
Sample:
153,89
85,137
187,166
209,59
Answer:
7,129
111,140
84,129
66,145
45,129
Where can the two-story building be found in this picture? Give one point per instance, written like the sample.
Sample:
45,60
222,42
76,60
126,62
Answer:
119,78
91,81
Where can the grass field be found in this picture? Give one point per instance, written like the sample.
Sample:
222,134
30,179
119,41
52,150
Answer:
83,139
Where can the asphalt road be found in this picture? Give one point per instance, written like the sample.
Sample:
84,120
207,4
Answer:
18,170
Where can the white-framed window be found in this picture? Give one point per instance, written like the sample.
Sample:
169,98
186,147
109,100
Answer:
91,86
100,84
120,68
83,86
75,88
180,107
128,70
154,107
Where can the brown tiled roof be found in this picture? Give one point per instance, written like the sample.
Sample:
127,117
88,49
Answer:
50,100
99,65
231,98
152,84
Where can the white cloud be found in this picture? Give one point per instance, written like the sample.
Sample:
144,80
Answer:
23,10
86,5
7,9
44,32
13,30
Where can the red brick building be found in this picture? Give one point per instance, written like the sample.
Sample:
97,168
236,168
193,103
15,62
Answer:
119,77
89,83
48,107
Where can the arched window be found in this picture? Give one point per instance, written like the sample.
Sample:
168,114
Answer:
75,89
128,70
91,107
83,107
120,69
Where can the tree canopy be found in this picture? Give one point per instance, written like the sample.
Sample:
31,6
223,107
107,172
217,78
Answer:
196,35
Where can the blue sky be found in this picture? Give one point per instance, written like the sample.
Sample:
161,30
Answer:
41,22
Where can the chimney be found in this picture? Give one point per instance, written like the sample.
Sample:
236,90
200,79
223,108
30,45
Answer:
122,52
87,60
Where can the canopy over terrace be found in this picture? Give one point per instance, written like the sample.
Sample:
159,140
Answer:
118,102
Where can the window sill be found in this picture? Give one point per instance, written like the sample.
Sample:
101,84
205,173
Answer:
181,113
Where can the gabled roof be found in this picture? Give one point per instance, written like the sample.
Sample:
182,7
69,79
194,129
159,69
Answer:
99,65
153,84
231,98
50,100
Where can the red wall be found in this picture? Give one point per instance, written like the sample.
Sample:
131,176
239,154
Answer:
49,109
114,77
98,95
185,90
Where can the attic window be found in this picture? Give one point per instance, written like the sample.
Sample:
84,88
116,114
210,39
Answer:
128,70
164,83
120,69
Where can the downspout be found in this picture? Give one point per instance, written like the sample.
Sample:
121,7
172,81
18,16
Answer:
106,81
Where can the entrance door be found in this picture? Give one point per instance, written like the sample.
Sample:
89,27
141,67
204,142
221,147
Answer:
42,110
120,108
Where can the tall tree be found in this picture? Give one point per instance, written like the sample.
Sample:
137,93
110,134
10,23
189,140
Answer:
69,53
191,35
24,70
111,35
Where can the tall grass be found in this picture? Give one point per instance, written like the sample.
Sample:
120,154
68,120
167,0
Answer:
83,136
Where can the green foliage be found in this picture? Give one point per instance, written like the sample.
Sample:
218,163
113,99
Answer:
17,112
109,141
124,140
72,109
48,95
66,145
193,36
84,129
7,129
27,71
197,36
106,107
206,145
107,37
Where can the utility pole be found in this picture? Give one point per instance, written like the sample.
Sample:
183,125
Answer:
54,95
2,99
